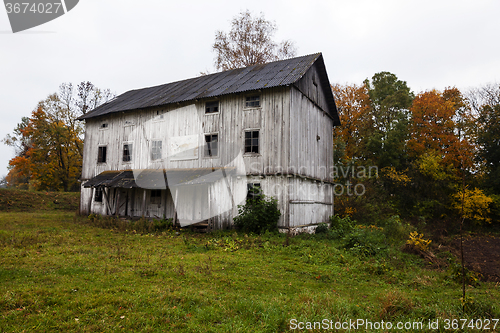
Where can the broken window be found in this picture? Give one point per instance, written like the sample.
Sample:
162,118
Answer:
252,101
212,145
253,191
212,107
155,197
98,194
156,147
101,154
127,152
252,142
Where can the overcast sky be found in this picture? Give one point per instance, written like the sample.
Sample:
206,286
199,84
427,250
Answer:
124,45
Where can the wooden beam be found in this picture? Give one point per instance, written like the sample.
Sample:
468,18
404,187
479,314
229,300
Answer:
126,202
132,203
144,203
92,194
106,196
117,201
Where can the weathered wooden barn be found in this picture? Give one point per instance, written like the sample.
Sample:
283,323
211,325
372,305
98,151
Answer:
190,150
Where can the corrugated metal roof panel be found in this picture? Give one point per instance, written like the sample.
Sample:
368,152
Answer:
159,178
278,73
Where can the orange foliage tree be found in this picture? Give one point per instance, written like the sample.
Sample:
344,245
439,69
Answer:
353,104
436,126
49,144
52,160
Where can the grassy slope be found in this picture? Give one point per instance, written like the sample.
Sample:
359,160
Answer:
20,200
58,273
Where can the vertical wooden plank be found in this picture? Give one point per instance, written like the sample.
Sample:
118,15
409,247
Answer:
92,194
132,202
117,201
143,203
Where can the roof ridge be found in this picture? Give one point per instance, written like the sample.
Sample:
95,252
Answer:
255,77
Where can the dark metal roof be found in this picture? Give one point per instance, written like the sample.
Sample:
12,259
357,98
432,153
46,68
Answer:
123,178
273,74
159,178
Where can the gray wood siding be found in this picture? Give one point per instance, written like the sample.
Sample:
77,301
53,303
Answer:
144,126
311,139
314,92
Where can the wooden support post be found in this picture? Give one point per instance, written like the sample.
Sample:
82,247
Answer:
106,196
117,201
144,203
92,195
126,203
132,203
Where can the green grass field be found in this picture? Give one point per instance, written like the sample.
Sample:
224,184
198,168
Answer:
62,273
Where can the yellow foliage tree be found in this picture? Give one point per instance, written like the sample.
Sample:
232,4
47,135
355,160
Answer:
476,205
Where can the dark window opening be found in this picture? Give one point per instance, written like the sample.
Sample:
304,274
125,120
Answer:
155,197
98,194
212,107
253,191
156,150
252,101
315,91
252,142
127,152
101,155
104,125
212,145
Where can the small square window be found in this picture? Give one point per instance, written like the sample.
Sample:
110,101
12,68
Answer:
104,125
212,107
253,191
252,142
101,154
98,194
252,101
127,152
155,197
156,148
212,145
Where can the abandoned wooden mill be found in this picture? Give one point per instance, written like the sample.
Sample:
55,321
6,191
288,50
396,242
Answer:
190,150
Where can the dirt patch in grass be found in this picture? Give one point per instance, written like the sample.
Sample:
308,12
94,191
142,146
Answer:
482,254
28,201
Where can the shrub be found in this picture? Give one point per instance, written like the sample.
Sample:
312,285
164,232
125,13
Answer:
365,241
322,228
395,228
258,215
341,226
417,241
163,224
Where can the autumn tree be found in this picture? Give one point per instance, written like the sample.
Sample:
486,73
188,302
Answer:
49,144
436,126
353,105
249,42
